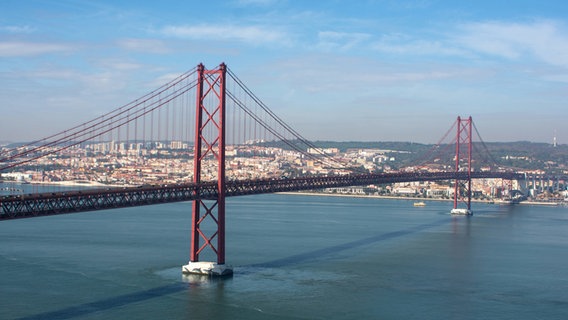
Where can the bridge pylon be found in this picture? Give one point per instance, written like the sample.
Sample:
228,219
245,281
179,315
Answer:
208,216
462,183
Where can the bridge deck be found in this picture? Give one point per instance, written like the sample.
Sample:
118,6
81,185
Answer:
44,204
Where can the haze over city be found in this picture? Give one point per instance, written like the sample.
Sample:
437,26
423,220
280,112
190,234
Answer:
335,70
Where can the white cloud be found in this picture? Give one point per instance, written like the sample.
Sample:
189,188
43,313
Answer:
117,64
247,34
330,40
144,45
319,74
17,29
161,80
264,3
543,40
18,49
418,47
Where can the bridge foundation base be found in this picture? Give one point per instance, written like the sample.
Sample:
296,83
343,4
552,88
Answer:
207,268
461,212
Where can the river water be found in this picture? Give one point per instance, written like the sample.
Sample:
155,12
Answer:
294,257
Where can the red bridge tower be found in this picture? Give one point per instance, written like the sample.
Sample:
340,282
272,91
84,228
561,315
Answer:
462,186
208,216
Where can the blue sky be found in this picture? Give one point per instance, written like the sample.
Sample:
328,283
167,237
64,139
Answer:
381,70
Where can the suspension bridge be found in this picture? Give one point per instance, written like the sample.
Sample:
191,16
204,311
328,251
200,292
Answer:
171,145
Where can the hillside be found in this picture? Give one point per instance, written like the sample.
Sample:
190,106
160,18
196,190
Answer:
520,154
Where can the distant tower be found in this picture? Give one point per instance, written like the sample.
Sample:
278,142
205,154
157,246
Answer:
554,140
462,185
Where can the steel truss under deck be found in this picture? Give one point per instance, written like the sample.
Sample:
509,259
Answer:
45,204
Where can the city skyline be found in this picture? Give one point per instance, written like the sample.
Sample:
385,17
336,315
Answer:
379,70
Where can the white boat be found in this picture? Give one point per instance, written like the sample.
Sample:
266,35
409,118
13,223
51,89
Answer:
419,204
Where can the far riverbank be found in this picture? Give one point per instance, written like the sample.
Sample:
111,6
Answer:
537,203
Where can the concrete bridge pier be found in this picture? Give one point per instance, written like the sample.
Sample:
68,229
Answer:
205,268
523,186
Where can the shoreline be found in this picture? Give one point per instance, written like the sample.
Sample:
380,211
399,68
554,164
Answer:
74,183
536,203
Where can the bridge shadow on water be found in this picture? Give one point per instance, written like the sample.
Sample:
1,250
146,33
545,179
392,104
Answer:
136,297
313,255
